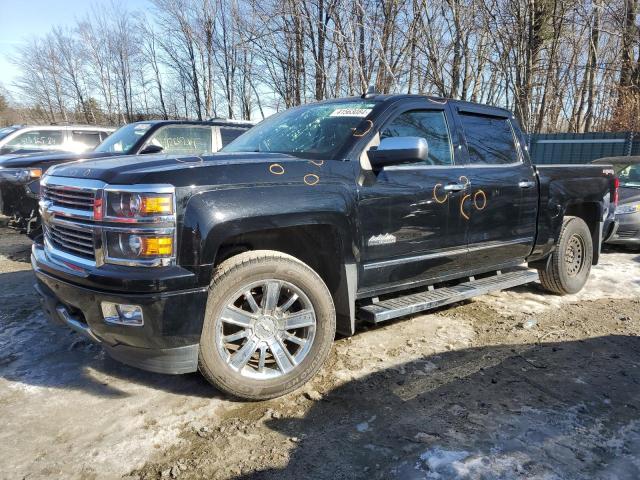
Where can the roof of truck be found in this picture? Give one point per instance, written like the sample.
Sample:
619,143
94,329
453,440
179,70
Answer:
390,98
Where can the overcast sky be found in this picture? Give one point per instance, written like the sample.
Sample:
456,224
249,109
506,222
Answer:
20,19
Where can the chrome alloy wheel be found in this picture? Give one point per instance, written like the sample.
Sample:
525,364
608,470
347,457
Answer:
574,255
266,329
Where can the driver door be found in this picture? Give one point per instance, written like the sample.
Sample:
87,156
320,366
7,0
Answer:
411,228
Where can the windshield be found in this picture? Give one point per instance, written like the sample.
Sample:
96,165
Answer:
311,131
6,131
630,176
124,139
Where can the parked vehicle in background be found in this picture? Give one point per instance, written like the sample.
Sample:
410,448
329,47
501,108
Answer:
20,174
69,138
626,230
246,263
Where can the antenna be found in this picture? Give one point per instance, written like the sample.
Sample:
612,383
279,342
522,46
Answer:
370,93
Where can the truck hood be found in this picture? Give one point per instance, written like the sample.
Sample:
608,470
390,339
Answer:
165,168
43,159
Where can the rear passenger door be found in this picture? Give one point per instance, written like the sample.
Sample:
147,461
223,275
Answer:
500,205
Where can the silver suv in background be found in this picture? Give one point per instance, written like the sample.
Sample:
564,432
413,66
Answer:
68,138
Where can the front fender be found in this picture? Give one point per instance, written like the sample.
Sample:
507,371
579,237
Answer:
212,217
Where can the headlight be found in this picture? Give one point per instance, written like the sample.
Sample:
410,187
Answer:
134,205
627,209
139,248
148,238
20,175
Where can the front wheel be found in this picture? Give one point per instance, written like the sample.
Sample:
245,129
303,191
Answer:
269,325
568,268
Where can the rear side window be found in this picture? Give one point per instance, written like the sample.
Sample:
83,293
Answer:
428,124
88,139
38,139
183,140
489,139
229,134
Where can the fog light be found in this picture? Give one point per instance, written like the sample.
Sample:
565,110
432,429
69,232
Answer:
122,314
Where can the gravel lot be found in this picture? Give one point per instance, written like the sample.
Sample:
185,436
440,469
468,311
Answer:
514,385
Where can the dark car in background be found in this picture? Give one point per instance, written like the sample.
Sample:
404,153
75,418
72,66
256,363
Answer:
20,174
626,230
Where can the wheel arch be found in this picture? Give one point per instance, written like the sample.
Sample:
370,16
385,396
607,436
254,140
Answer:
591,214
317,230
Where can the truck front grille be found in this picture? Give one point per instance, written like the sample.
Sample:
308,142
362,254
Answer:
67,206
71,238
69,197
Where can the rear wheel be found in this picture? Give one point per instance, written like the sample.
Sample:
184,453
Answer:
269,325
568,268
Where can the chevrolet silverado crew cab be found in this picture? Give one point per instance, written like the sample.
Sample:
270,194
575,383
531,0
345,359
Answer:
246,263
20,174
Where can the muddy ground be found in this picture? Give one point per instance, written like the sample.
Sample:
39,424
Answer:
518,384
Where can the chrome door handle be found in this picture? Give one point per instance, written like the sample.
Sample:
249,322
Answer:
454,187
526,184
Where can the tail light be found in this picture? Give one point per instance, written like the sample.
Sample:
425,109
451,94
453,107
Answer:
616,194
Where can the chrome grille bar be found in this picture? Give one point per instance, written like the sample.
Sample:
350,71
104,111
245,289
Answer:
69,197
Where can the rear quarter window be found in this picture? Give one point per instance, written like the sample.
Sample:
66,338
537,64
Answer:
229,134
490,140
87,138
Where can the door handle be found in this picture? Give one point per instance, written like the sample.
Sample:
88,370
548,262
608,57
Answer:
526,184
454,187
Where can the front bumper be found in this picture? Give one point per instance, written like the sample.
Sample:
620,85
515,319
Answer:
626,230
166,343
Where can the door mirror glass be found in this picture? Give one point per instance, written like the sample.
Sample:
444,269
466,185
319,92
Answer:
397,151
151,149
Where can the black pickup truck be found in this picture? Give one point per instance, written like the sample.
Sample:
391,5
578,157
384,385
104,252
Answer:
244,264
20,173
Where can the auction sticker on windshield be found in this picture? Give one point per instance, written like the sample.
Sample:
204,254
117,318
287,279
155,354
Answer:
351,112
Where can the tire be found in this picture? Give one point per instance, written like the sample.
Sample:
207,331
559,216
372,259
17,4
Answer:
277,365
568,269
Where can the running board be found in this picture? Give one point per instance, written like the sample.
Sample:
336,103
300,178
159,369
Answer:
433,298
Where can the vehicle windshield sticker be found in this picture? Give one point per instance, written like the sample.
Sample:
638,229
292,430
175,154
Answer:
351,112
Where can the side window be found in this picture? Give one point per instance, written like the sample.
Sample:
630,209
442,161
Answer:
87,139
229,134
489,139
38,139
428,124
183,140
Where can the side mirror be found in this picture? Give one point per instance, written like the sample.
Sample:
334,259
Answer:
151,149
398,150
